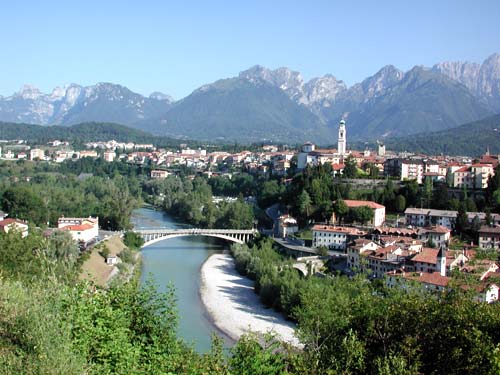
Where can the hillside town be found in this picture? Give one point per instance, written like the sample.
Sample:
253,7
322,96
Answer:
416,246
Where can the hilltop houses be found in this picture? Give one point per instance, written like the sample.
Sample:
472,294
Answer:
83,230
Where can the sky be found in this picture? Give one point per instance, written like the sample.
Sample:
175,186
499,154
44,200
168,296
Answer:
175,47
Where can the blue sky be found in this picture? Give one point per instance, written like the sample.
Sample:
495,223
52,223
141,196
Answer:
175,47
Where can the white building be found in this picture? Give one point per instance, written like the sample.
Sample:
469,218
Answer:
81,229
333,237
437,234
7,225
378,210
287,225
473,177
342,139
489,237
109,156
37,153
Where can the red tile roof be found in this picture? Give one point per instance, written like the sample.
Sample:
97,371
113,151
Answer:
433,278
9,221
427,255
354,203
77,228
332,228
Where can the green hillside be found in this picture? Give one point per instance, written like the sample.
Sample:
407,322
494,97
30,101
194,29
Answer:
236,109
469,139
85,132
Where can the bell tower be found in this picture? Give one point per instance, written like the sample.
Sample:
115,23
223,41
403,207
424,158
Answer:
342,139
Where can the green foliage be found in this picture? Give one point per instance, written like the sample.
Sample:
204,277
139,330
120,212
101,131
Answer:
350,169
81,133
133,240
48,196
248,357
455,141
191,201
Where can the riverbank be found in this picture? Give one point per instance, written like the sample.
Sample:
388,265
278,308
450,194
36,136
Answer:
234,307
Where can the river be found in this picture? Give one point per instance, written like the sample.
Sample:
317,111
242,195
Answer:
178,261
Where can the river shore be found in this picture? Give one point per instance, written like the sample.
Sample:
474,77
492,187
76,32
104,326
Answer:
234,307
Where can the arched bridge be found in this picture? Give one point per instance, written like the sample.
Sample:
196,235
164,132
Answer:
234,235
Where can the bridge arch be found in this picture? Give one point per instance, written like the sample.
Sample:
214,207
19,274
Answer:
151,236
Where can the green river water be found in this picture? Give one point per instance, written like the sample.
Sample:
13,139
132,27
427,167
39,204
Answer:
178,261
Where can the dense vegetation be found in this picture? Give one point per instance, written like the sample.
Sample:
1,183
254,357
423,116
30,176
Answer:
353,326
55,190
469,139
192,202
80,133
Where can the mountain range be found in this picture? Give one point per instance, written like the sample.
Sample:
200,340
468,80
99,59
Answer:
279,105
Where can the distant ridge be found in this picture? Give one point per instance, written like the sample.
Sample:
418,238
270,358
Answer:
261,104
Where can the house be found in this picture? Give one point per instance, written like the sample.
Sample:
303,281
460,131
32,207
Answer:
436,234
405,169
384,259
422,217
489,237
355,251
474,176
378,210
432,281
159,173
83,230
334,237
287,225
37,153
109,156
6,225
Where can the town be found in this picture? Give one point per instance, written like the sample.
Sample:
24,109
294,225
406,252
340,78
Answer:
418,244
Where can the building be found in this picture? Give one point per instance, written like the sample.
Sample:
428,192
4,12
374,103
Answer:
424,217
334,237
109,156
489,237
83,230
287,225
355,251
7,225
405,169
474,176
430,260
159,173
37,153
342,138
378,210
437,234
380,148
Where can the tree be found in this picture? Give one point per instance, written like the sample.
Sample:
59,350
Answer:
350,167
340,208
440,198
133,240
304,203
462,220
427,191
400,203
362,214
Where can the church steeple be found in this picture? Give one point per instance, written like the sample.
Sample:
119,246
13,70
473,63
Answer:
342,139
441,260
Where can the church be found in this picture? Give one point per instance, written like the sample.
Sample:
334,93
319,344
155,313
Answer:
310,155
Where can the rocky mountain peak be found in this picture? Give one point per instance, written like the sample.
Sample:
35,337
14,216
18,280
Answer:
29,92
157,95
386,77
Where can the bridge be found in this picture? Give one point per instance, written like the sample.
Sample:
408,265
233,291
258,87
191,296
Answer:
234,235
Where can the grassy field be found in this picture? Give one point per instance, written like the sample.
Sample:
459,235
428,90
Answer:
95,268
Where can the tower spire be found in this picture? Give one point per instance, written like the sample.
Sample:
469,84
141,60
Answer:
342,139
